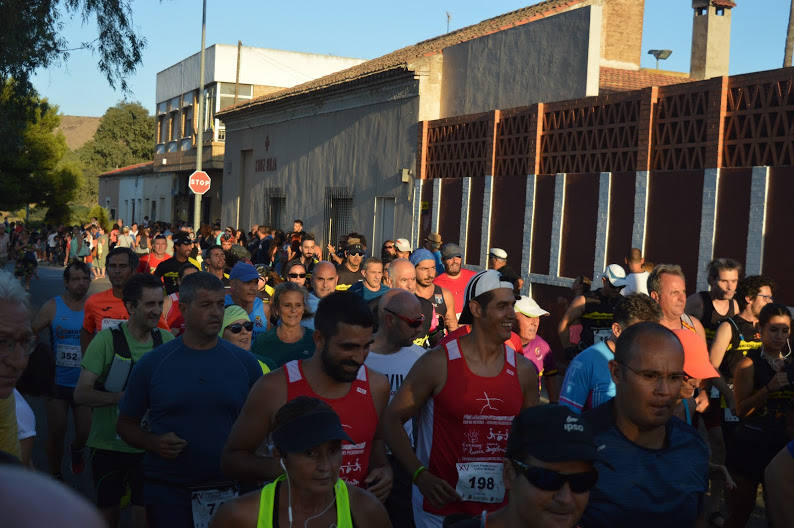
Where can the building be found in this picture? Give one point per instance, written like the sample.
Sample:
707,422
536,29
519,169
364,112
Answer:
133,192
340,151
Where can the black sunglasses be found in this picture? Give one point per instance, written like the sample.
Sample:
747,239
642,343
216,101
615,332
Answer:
358,253
236,328
296,275
549,480
413,323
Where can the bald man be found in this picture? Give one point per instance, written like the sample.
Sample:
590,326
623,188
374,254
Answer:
393,353
324,280
402,275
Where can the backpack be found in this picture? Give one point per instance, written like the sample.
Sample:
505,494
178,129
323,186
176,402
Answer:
121,366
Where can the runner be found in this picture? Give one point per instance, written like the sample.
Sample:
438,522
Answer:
714,306
237,328
324,282
372,286
441,298
243,287
308,438
216,263
148,263
295,272
168,270
402,248
402,275
335,374
654,471
637,277
191,391
667,286
64,316
349,271
497,260
454,277
550,471
464,396
288,340
535,348
171,312
116,465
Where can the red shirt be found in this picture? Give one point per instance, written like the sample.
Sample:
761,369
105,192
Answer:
104,310
514,342
357,413
456,286
148,263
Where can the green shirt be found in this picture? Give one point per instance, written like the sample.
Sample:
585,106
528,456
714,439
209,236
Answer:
273,352
8,426
97,359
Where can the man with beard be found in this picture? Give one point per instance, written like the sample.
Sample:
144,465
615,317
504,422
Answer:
64,316
655,467
168,270
215,264
454,277
191,391
441,298
335,374
714,306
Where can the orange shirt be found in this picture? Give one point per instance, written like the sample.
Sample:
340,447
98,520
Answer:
104,310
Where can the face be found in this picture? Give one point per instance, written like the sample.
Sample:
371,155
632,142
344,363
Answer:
688,388
159,246
307,248
14,328
403,276
390,249
242,338
204,314
243,293
78,283
217,259
148,310
650,384
775,333
297,227
119,270
452,266
725,284
294,275
373,274
672,295
290,308
553,509
183,250
354,258
324,279
763,298
226,243
425,272
498,316
400,332
344,353
315,470
527,326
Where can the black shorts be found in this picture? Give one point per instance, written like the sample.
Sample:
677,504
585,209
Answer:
62,392
749,451
113,471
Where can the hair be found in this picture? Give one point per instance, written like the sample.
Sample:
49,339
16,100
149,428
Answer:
133,259
11,290
288,286
342,307
212,248
655,277
634,255
772,310
484,299
184,267
291,264
307,236
202,280
636,307
371,260
133,289
625,346
585,281
720,264
78,265
298,221
750,287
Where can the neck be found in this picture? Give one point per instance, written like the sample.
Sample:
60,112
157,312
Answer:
367,286
424,291
484,347
652,438
248,307
118,291
771,352
193,338
748,315
351,267
671,321
180,258
289,333
217,272
306,504
381,343
526,338
319,380
138,331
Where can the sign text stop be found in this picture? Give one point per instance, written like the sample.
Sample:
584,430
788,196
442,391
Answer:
199,182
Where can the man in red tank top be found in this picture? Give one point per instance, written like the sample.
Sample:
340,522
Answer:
464,395
335,374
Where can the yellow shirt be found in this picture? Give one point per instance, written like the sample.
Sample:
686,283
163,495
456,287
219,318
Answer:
8,426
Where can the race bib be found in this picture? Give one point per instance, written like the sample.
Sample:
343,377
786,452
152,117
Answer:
68,356
480,482
601,334
205,503
111,323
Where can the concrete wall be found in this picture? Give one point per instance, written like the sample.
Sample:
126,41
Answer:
552,59
130,188
108,194
711,44
359,140
158,189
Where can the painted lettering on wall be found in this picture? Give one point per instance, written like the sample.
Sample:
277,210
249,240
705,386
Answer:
265,165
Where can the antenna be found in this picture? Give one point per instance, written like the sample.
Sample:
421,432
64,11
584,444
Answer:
449,17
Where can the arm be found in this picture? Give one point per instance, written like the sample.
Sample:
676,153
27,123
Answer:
85,339
366,510
699,330
380,477
424,380
716,355
252,427
748,400
779,486
86,394
574,312
576,386
694,305
450,321
553,387
44,317
167,445
528,378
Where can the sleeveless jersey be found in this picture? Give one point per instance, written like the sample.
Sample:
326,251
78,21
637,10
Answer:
597,318
356,411
65,331
462,432
174,317
268,508
711,320
687,323
771,416
745,337
439,307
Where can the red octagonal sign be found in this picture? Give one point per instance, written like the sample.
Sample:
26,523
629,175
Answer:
199,182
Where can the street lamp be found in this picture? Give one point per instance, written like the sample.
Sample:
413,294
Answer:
660,55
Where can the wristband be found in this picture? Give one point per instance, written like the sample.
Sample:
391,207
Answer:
417,473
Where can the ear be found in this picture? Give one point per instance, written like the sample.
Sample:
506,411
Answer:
319,340
655,296
616,330
476,310
614,369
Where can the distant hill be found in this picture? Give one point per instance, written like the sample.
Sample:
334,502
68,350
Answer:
78,130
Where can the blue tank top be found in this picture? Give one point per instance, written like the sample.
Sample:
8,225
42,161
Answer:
257,315
65,331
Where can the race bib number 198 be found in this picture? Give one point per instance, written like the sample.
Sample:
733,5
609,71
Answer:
480,482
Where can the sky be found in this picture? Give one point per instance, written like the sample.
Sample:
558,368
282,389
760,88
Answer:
364,29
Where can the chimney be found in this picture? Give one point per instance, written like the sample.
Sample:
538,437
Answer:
711,38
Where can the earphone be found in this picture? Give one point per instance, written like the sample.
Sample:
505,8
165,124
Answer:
289,492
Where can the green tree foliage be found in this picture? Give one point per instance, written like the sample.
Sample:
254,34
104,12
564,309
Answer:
102,215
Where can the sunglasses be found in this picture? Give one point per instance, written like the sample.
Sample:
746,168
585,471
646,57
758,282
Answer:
296,275
549,480
236,328
389,247
356,253
413,323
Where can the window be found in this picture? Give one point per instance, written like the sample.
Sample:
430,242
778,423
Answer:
338,213
173,126
162,129
720,11
187,121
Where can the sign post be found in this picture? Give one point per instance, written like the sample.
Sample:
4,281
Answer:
199,182
200,131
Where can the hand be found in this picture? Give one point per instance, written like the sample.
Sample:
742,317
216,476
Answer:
777,382
702,401
117,396
436,490
330,248
169,445
379,482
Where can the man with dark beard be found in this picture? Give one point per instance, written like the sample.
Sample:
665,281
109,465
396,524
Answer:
335,374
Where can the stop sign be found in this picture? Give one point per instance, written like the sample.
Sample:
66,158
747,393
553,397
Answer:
199,182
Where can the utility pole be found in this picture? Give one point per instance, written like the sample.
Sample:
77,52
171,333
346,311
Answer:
449,17
789,37
200,133
237,78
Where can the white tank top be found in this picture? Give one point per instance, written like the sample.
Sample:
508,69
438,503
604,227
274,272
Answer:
395,367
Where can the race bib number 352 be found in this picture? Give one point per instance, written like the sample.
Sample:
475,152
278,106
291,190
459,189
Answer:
67,356
480,482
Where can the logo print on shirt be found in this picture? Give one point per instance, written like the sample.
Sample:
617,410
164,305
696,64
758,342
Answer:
488,401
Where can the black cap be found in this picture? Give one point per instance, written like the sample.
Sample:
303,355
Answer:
182,237
551,433
309,430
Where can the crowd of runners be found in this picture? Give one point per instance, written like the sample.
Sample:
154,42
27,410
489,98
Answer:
230,378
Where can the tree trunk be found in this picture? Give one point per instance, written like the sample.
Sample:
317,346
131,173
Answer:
789,37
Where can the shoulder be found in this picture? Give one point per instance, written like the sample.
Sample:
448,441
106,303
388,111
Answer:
601,418
365,508
377,381
683,436
165,334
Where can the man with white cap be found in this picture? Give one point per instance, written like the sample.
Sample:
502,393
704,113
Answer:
594,309
465,395
497,259
455,277
403,248
535,348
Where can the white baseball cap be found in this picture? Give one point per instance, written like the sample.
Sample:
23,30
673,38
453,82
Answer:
498,253
402,245
616,275
480,283
527,306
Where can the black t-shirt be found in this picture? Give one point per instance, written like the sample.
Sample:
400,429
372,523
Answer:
347,277
168,271
423,337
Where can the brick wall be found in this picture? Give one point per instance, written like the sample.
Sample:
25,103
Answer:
622,31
